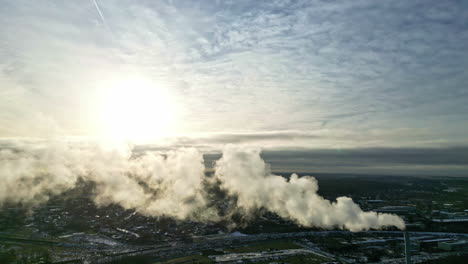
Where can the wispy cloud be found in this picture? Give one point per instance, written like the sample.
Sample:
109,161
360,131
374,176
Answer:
246,66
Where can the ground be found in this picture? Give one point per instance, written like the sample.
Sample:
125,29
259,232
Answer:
264,246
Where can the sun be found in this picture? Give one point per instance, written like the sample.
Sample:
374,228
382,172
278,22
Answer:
135,109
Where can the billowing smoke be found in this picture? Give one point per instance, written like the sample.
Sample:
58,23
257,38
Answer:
152,184
245,175
174,184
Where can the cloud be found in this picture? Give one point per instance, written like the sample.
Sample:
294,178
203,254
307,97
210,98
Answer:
291,65
314,139
443,161
409,152
155,185
174,184
375,156
245,137
244,174
31,178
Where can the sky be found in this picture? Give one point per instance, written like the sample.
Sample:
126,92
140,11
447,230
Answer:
334,86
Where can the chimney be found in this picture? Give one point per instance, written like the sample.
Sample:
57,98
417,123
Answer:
407,248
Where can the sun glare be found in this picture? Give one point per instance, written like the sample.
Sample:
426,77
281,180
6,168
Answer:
136,110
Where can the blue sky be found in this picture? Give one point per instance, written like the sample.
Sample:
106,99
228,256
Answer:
279,74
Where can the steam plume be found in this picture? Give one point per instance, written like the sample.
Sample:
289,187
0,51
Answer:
174,184
244,174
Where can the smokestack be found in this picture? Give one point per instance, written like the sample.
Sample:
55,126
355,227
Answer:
407,248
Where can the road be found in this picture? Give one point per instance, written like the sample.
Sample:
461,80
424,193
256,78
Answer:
166,250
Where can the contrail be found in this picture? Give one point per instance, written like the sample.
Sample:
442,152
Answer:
102,17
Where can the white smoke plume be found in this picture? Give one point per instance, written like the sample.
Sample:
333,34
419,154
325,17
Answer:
174,184
244,174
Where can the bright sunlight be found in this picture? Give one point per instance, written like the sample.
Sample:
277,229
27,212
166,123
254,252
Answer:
136,110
